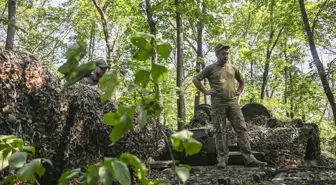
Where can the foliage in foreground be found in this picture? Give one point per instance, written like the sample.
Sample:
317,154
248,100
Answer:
18,159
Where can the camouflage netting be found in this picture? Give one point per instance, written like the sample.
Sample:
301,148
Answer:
282,142
285,142
64,125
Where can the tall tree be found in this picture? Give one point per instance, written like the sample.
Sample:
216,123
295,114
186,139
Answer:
10,30
104,20
152,27
320,68
270,47
179,67
200,57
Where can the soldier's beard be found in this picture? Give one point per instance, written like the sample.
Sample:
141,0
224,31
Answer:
99,75
222,62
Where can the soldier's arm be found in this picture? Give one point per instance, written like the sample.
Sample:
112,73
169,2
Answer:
240,80
199,85
197,81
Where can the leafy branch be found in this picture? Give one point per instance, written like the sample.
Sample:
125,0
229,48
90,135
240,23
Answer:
15,155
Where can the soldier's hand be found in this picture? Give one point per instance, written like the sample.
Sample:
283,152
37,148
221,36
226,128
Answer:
237,93
210,92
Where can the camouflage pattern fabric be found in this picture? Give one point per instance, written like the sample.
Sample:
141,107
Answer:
230,110
88,81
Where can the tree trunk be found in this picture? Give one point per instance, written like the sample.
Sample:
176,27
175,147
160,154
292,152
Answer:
10,28
180,69
317,61
200,57
286,88
108,38
151,27
153,31
291,114
286,81
205,83
252,81
268,59
269,50
265,75
92,36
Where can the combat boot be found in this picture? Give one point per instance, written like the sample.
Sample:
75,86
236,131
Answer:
221,162
221,165
255,163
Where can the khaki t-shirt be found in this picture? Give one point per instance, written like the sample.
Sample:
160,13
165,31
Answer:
221,79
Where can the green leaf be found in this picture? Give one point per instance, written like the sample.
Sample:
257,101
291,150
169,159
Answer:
15,142
80,72
164,50
159,73
17,160
8,180
30,149
111,118
92,175
126,109
73,55
142,77
192,146
121,172
182,135
78,49
32,181
121,129
105,175
142,118
153,107
140,168
145,49
4,156
142,55
68,176
40,170
177,144
178,138
108,84
5,137
182,172
28,170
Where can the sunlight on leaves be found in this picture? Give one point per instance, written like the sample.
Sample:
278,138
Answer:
108,84
121,129
68,176
164,50
159,73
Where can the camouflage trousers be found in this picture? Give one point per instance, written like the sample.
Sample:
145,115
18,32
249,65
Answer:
231,110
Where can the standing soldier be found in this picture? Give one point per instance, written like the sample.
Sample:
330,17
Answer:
96,74
221,76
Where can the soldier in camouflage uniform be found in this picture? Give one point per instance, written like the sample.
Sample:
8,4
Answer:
221,76
97,73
